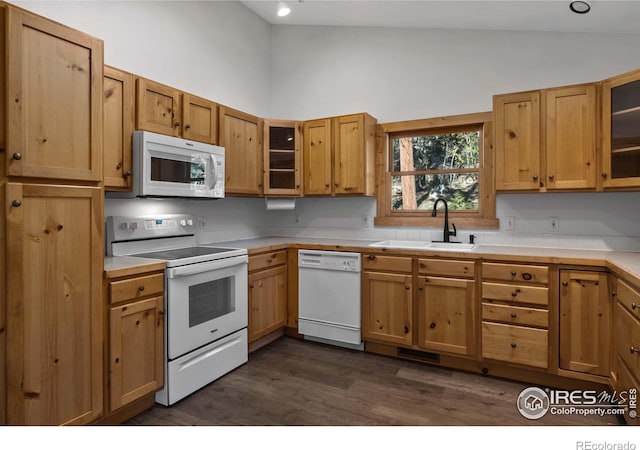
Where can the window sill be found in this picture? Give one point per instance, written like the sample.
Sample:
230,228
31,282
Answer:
461,222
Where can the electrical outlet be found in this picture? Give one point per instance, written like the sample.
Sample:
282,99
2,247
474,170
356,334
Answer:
554,224
511,223
202,223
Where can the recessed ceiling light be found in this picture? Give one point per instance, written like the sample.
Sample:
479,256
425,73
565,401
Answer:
579,7
283,9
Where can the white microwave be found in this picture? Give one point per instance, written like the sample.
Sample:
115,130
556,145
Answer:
166,166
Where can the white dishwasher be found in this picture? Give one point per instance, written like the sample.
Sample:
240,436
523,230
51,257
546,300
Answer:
329,297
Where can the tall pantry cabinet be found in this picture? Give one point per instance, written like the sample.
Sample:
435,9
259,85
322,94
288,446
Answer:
52,248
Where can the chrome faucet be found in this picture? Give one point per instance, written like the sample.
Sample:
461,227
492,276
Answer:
447,232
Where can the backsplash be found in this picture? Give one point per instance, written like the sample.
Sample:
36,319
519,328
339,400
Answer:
599,221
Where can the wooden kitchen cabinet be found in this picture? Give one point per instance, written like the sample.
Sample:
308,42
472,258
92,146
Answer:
54,92
546,140
339,156
54,304
268,295
620,135
446,306
515,314
165,110
241,136
282,157
585,322
119,117
387,300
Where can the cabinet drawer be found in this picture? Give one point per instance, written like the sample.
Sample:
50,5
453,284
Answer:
516,293
515,272
515,344
627,339
516,315
135,288
629,297
446,267
265,260
387,263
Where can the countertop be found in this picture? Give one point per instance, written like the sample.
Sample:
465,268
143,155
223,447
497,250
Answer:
625,264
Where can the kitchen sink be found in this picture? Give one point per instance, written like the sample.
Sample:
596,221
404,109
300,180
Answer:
452,246
417,245
425,245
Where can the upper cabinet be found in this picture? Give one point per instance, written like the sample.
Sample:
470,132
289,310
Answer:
54,100
339,156
241,136
165,110
621,131
117,128
546,140
282,157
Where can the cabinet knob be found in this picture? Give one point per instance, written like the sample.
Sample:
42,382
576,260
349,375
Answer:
614,293
17,156
407,287
141,288
513,273
514,293
633,305
128,173
552,176
187,126
604,174
347,189
371,257
513,345
632,349
406,329
327,185
16,203
565,283
421,288
177,124
535,178
514,315
251,285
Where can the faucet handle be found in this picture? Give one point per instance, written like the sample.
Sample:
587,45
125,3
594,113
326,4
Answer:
453,233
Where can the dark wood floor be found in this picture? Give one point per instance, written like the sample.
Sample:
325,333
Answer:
293,382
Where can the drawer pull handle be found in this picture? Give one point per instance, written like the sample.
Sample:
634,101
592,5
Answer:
141,288
513,345
633,305
514,315
634,350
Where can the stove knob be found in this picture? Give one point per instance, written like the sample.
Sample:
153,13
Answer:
190,222
124,226
133,225
183,223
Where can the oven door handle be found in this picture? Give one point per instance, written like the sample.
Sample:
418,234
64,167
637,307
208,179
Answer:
193,269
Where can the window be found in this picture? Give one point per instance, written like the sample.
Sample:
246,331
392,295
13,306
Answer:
448,158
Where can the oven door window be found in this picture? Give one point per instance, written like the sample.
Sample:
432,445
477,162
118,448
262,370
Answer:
210,300
174,171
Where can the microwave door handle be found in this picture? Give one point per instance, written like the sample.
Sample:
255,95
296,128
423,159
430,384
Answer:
193,269
214,172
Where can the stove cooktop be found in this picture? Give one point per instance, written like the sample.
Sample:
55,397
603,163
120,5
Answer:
183,253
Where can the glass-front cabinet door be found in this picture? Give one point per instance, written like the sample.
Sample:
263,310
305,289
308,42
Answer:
621,131
282,157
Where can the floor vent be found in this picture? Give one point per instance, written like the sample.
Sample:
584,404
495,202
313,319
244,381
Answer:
418,355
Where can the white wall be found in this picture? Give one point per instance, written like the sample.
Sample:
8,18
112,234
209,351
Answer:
402,74
217,50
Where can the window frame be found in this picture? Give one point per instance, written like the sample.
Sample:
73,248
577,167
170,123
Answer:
484,217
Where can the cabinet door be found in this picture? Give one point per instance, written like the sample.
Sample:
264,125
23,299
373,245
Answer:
620,131
199,119
571,137
118,128
517,141
157,108
267,301
240,136
349,162
282,157
317,157
584,322
136,341
387,307
445,314
54,83
54,304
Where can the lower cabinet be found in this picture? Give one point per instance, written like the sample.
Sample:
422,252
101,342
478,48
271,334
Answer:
585,322
136,338
267,294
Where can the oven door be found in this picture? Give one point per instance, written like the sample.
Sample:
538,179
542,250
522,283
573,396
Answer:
205,302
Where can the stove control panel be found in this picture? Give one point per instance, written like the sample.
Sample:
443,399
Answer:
122,228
